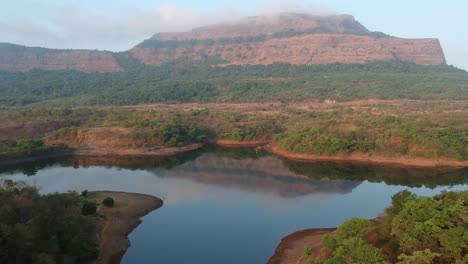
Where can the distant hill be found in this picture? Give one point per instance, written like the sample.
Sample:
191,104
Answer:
286,38
16,58
288,57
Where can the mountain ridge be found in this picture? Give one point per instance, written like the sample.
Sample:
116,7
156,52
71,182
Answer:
291,38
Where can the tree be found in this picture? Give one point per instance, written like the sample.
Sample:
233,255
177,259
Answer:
88,208
108,202
418,257
356,250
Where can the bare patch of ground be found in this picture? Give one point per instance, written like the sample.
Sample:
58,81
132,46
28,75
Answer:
115,224
291,248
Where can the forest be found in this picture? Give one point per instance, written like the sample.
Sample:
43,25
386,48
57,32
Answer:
51,228
193,81
414,229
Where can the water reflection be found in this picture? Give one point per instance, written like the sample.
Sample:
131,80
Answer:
219,202
245,169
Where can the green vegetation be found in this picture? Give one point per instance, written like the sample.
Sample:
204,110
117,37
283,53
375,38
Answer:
414,229
189,81
108,202
423,129
43,228
26,146
88,208
385,135
176,135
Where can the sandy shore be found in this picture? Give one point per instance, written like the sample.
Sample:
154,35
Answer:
238,144
115,224
365,159
291,248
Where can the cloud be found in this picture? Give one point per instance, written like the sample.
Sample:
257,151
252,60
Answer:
294,6
82,27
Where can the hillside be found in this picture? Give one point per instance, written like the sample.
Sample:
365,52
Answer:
286,38
289,57
17,58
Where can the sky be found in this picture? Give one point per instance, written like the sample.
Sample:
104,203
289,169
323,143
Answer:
118,25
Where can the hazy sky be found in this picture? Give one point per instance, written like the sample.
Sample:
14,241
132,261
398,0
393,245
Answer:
120,24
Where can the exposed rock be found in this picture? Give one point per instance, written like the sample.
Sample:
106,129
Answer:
21,59
305,50
286,38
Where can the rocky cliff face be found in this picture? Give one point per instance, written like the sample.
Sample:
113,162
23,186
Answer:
21,59
287,38
304,50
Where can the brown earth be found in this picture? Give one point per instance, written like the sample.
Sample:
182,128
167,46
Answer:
116,223
367,159
291,248
116,141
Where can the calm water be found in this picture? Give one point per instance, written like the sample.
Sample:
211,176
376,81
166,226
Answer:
233,206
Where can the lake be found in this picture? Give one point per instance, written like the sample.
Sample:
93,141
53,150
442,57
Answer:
233,205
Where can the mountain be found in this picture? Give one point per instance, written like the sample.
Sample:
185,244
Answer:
289,38
20,59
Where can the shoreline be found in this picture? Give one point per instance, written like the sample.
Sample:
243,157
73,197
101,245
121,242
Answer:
116,223
404,162
161,152
239,144
291,248
8,159
408,162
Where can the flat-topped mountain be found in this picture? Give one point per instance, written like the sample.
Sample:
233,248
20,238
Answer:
270,25
289,38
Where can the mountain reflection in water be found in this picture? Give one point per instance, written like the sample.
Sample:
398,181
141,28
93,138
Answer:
219,202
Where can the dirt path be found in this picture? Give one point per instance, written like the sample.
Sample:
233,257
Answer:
291,248
116,223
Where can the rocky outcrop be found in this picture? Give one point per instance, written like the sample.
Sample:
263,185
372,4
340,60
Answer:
305,50
21,59
287,38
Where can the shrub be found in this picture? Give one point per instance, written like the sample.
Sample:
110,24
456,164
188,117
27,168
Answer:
88,208
356,250
418,257
108,202
28,146
84,193
307,251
